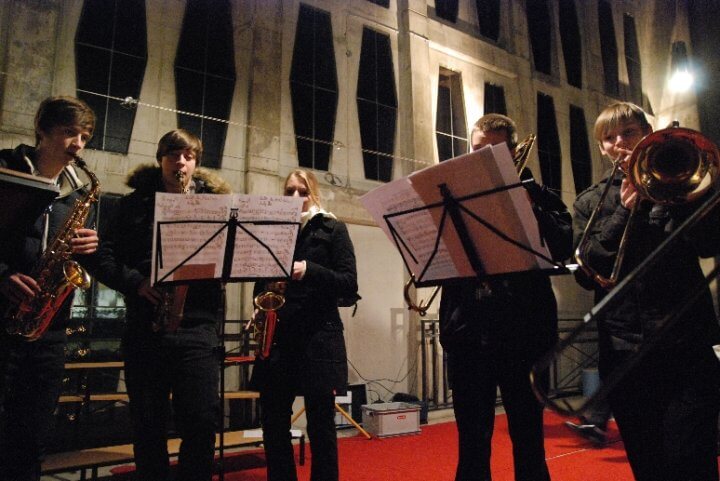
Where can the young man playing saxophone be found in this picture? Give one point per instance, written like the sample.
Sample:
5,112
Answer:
166,350
31,373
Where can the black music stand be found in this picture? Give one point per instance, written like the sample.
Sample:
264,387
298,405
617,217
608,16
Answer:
23,198
454,208
233,224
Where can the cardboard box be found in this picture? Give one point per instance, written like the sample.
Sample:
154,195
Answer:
391,419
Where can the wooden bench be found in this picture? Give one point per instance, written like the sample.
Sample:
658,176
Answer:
92,459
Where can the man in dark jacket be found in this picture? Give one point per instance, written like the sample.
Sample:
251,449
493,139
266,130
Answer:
31,373
667,408
494,330
166,349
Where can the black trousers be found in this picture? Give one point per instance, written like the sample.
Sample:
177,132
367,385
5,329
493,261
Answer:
475,379
32,374
184,363
276,399
667,414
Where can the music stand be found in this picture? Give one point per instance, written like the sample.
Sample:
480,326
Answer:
222,236
23,198
454,208
466,217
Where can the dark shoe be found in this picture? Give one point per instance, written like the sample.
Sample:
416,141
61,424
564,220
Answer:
590,432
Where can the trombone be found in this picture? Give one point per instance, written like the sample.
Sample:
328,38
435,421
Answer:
670,166
520,159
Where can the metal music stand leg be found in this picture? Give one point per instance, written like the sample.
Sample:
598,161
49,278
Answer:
342,412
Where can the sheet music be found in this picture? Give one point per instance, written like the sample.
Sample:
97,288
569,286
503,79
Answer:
191,232
508,211
417,229
252,259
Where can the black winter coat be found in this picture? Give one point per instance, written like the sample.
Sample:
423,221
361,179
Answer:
23,248
665,286
519,319
125,252
309,334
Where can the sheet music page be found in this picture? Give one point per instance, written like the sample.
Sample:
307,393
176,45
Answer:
416,232
264,249
507,211
189,241
523,207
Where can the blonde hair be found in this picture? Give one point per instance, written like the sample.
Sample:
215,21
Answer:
619,113
310,181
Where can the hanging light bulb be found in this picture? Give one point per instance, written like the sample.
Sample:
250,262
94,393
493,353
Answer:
681,77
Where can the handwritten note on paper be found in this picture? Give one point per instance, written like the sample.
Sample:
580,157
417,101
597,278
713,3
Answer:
191,235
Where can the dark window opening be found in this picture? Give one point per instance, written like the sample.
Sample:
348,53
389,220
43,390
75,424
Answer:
313,88
539,26
571,42
580,158
548,143
632,59
205,74
494,102
110,57
377,105
382,3
447,9
100,311
608,47
450,128
488,12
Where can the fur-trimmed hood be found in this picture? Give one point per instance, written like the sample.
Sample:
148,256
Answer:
146,178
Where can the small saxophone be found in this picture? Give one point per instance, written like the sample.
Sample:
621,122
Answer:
264,325
169,312
56,273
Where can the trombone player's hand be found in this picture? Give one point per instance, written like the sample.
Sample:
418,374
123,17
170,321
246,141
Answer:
628,194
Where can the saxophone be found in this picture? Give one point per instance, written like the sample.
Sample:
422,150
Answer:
56,273
170,310
264,323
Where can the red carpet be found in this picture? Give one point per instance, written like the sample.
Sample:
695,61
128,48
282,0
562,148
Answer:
432,455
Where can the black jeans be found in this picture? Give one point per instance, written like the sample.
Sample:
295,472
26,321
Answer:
32,374
667,412
475,379
184,363
276,398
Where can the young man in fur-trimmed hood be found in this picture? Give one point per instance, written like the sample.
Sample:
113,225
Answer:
171,332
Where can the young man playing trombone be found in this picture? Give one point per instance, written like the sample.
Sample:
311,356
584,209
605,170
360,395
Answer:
667,407
494,330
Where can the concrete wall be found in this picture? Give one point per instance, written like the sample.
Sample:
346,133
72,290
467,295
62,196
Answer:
37,60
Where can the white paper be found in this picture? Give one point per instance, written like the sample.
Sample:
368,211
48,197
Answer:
194,247
508,211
